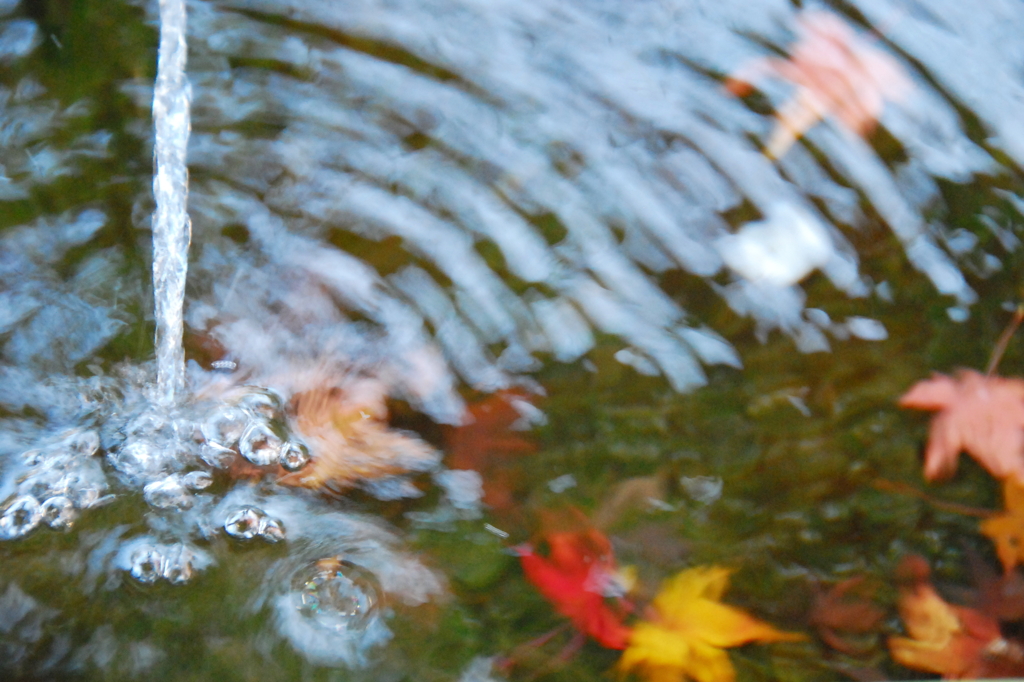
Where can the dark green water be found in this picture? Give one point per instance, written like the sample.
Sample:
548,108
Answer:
460,198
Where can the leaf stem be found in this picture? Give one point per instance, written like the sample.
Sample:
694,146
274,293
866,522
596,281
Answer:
909,490
1004,340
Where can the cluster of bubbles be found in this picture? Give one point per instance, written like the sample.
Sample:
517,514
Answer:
149,561
252,424
329,609
55,483
151,444
174,491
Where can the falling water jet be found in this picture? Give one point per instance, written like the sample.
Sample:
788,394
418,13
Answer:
172,229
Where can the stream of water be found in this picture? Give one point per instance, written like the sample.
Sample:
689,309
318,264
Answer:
172,230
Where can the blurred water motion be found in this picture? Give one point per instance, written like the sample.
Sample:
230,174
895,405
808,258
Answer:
404,199
544,187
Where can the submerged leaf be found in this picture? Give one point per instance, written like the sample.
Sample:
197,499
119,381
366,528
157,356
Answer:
983,415
639,492
577,577
953,641
486,443
1007,530
690,629
843,611
350,444
836,73
997,594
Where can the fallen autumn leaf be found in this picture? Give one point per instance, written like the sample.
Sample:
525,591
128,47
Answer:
982,415
836,73
690,629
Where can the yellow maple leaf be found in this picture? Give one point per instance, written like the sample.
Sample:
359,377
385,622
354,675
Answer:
1007,530
687,637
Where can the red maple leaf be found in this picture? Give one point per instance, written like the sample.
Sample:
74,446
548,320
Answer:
983,415
577,577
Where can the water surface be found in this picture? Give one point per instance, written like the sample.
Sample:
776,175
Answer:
432,202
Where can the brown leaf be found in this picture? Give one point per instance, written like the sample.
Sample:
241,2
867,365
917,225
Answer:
836,72
953,641
486,443
997,594
845,609
349,442
639,492
983,415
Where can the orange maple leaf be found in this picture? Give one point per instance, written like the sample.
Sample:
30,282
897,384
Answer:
1007,530
350,443
836,73
953,641
576,577
983,415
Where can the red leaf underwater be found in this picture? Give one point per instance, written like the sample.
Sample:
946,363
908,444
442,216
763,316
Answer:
487,443
577,576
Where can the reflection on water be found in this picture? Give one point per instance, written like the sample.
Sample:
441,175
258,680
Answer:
547,186
407,200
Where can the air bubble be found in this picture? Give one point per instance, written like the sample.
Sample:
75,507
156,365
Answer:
260,445
225,426
91,497
149,425
42,483
20,518
261,403
34,457
59,512
147,564
216,455
271,530
243,524
197,480
82,443
140,458
249,522
338,595
149,561
56,471
703,489
167,493
179,564
464,487
294,455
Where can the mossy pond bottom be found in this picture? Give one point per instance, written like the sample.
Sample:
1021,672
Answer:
524,341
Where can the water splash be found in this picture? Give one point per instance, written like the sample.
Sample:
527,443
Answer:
172,230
